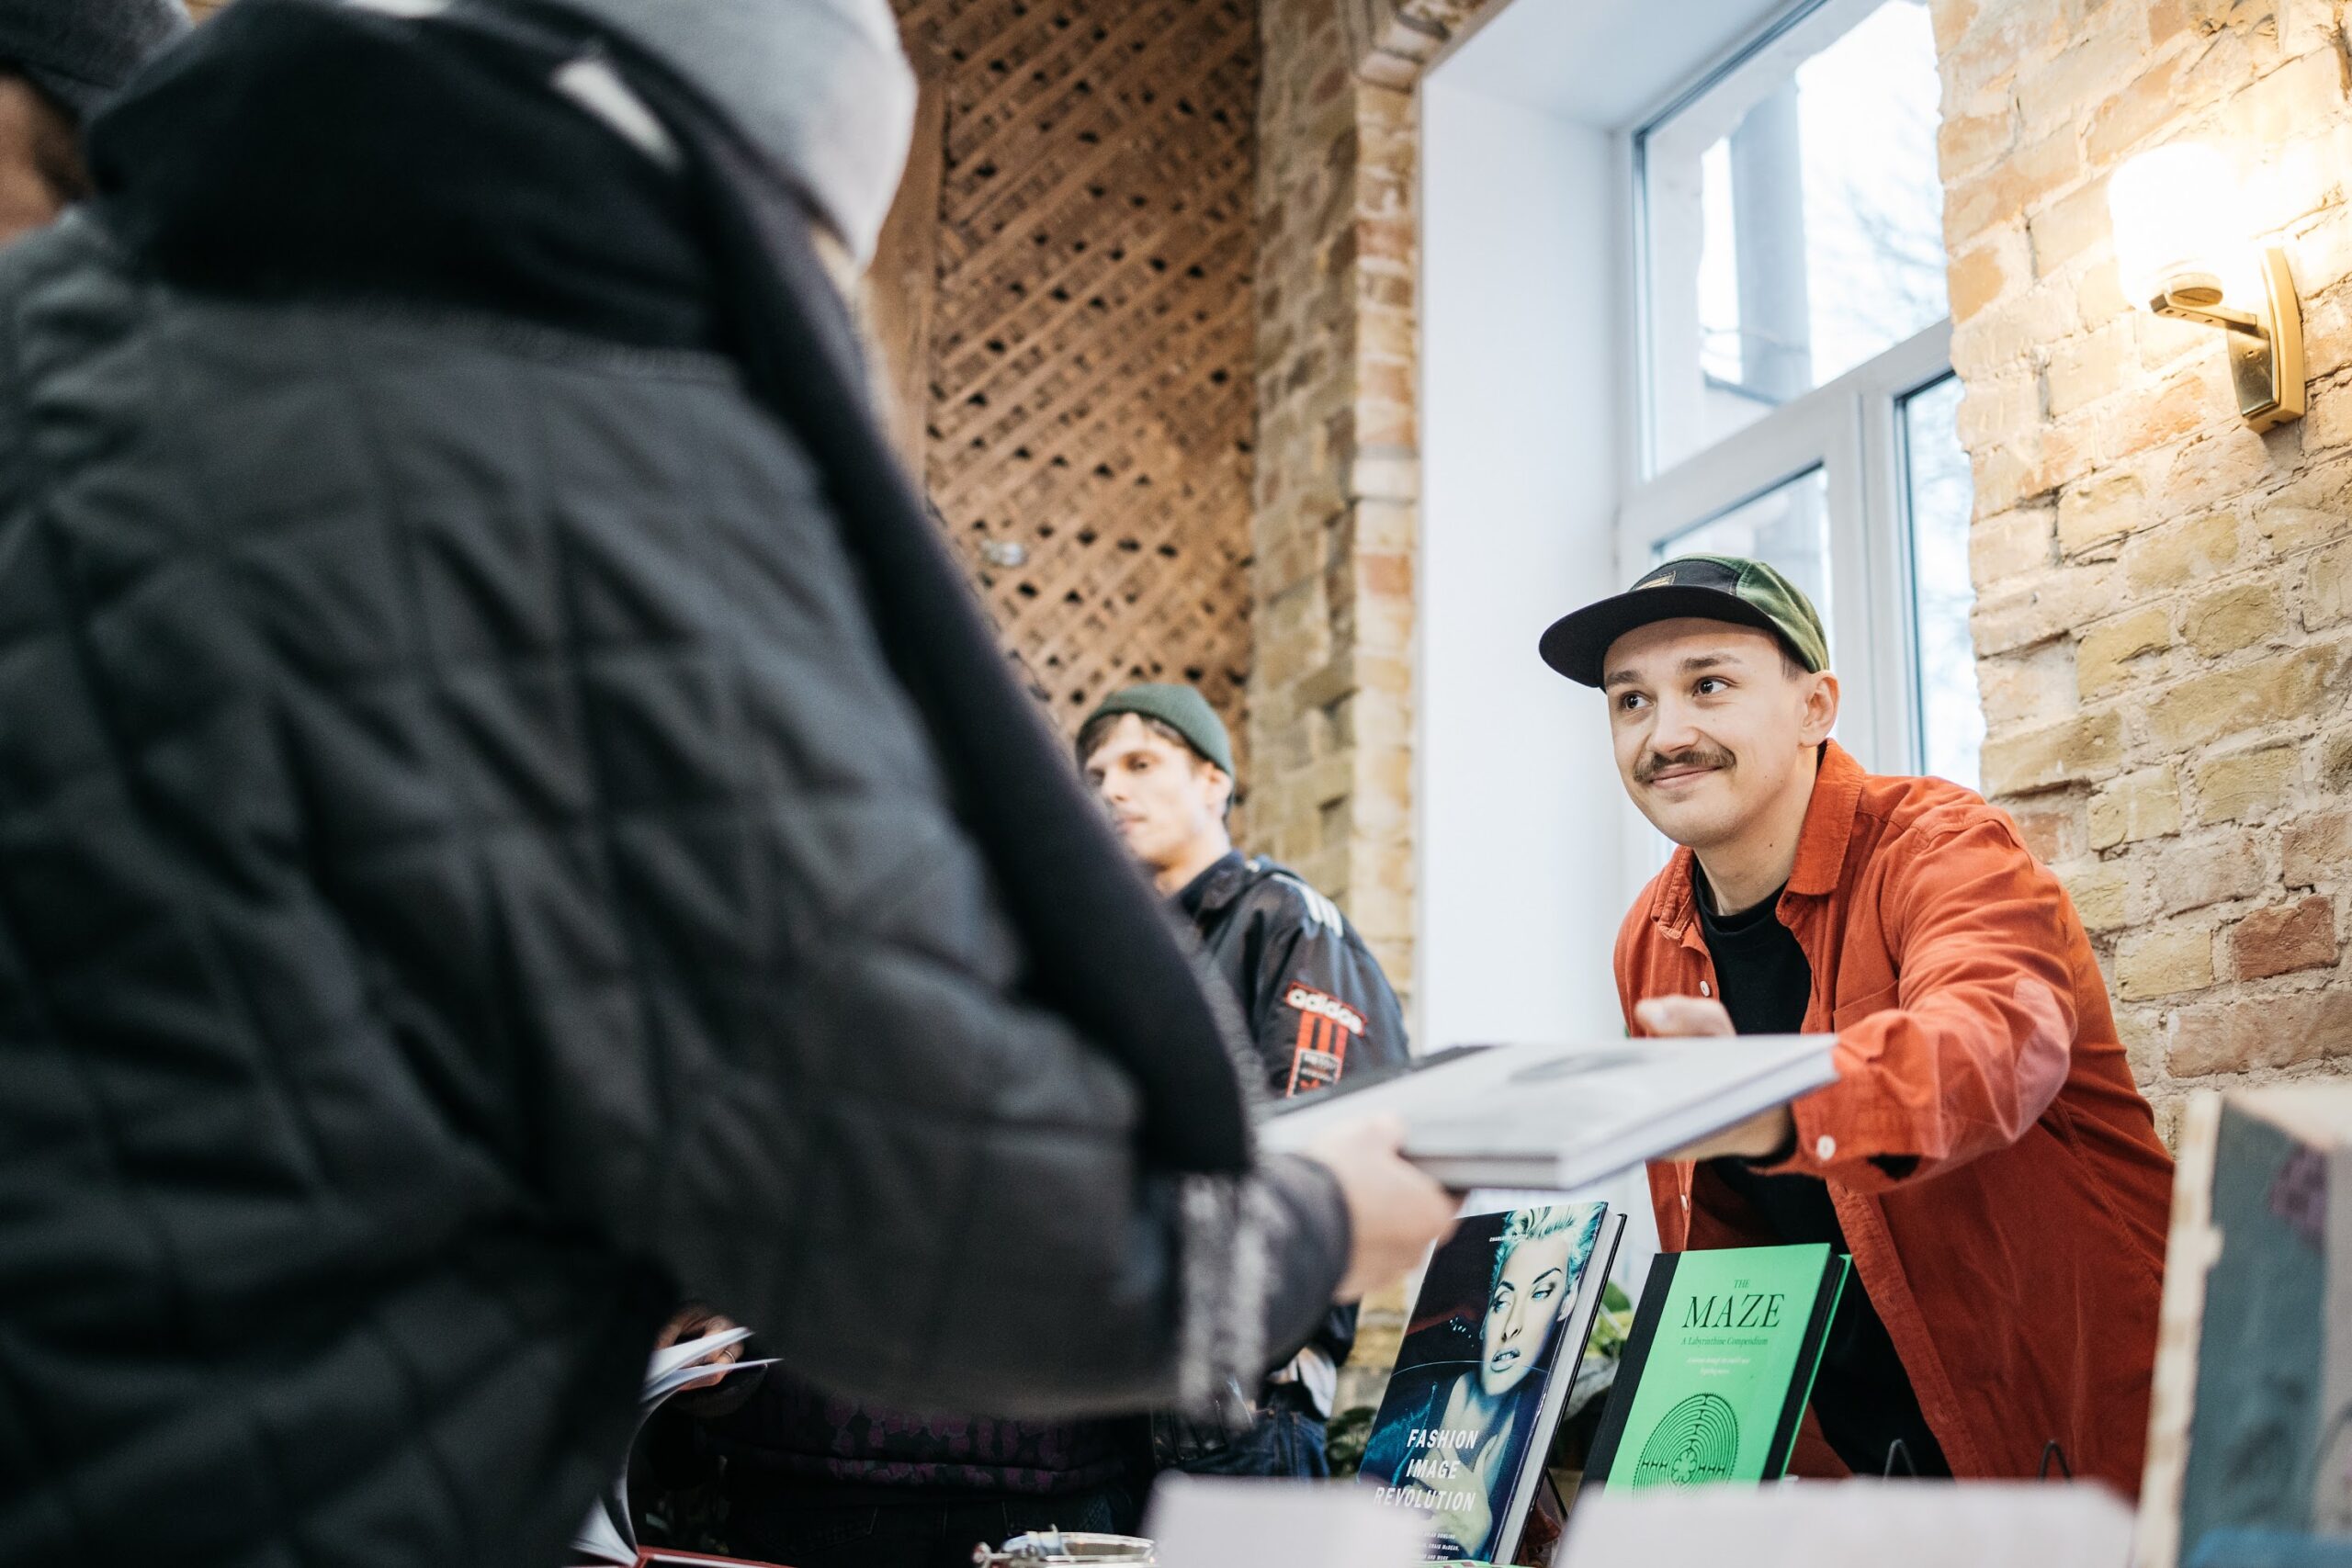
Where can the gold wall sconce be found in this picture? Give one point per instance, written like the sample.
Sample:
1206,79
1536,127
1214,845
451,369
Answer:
2181,249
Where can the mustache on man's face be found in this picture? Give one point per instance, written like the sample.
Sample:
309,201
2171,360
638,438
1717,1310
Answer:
1700,756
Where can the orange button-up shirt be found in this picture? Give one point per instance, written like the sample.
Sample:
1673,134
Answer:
1995,1169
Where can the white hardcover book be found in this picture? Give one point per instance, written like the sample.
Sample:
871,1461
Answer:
1562,1116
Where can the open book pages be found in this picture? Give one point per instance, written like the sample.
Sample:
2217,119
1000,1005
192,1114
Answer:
606,1536
1562,1116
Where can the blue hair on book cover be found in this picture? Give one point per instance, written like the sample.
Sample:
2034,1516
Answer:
1459,1432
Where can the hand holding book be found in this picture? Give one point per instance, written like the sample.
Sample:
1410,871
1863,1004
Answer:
1395,1212
694,1321
1768,1133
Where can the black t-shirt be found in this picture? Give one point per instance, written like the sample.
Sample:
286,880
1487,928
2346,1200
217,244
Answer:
1862,1396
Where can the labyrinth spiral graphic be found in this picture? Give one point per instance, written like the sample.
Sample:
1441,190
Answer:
1695,1442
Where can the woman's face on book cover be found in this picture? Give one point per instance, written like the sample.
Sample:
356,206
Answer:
1528,1290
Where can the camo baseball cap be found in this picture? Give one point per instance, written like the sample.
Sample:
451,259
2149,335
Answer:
1713,588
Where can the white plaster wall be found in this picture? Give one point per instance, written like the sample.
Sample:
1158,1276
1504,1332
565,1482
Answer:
1519,802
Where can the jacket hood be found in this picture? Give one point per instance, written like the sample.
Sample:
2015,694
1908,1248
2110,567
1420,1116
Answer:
822,87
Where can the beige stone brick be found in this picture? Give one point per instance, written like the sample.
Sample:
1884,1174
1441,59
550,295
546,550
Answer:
2070,752
2167,19
2278,1030
2145,805
2099,296
2178,553
2206,708
2026,686
2011,545
2068,451
2316,849
2138,111
2167,962
2247,786
2096,513
2313,511
2101,891
1952,20
1994,407
2290,101
2327,587
2033,610
2017,328
2235,618
1965,143
2054,91
2054,826
2143,1032
1980,276
2067,228
2164,341
2106,652
2084,369
2218,468
2328,426
2182,405
2213,870
2335,762
2285,939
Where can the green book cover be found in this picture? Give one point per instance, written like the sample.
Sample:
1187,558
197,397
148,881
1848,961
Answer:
1718,1367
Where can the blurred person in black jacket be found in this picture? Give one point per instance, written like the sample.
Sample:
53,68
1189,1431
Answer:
1315,1000
510,819
59,60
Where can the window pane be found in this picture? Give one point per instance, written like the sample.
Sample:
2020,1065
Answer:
1795,222
1951,721
1787,527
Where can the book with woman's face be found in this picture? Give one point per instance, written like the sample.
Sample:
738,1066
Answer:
1493,1343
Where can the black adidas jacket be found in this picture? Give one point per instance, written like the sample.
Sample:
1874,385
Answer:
1317,1002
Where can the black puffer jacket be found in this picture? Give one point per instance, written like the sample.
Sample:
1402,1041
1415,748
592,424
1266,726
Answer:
469,876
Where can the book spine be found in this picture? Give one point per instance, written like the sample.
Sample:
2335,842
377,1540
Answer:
1576,1336
1656,1292
1808,1366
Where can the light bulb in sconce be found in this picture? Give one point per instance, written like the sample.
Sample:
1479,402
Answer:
2182,250
2175,217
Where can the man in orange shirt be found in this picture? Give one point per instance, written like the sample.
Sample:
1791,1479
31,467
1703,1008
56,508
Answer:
1985,1156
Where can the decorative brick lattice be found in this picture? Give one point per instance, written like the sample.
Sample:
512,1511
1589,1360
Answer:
1092,347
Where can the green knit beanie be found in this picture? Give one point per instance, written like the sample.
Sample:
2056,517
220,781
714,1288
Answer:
1180,708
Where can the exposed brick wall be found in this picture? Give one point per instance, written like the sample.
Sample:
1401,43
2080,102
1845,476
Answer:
2165,619
1338,484
1330,698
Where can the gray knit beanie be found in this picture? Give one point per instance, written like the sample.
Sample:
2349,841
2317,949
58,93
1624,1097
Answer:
80,51
821,85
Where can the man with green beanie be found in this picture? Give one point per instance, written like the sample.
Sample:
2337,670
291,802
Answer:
1313,995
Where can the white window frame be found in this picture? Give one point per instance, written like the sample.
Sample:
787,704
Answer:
1851,430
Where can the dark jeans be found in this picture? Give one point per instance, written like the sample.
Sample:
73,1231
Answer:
1281,1442
801,1531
